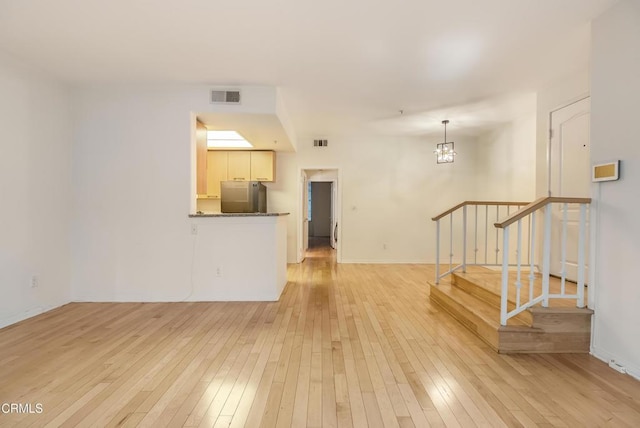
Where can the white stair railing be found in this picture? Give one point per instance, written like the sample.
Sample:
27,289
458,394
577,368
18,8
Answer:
513,280
469,225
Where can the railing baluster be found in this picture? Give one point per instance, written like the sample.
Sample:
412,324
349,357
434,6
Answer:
475,244
437,251
546,257
505,276
529,238
532,243
563,263
486,234
464,238
450,241
518,264
497,220
581,250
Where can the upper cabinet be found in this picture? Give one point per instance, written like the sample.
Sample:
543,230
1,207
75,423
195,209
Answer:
201,159
251,165
263,166
239,165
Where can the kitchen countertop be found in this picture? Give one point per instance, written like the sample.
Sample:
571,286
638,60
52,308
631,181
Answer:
238,215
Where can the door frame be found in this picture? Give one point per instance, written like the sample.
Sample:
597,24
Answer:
549,133
593,209
337,208
303,218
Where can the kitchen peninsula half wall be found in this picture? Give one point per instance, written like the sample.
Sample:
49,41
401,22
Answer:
239,256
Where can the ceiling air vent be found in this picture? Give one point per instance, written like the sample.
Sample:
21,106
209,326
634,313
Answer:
231,96
320,143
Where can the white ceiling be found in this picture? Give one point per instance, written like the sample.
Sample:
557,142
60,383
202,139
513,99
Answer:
470,119
339,63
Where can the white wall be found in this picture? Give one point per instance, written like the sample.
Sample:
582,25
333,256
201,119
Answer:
283,197
506,167
390,188
132,188
234,259
35,192
132,166
322,175
615,130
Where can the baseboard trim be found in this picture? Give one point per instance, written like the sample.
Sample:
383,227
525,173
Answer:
606,357
384,262
29,313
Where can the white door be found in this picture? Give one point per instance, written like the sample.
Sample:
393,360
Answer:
570,176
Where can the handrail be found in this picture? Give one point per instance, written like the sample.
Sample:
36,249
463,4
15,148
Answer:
536,205
462,204
464,209
520,244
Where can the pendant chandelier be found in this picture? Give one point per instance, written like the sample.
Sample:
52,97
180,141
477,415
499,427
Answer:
444,151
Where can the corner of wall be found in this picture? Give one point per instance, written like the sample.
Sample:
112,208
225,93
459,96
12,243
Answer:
35,221
285,120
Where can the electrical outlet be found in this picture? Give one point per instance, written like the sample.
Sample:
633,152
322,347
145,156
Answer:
617,367
194,229
35,281
218,271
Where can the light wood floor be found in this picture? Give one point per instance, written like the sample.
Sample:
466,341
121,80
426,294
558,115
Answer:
347,345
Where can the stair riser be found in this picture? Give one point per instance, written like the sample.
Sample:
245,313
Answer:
488,334
544,342
562,323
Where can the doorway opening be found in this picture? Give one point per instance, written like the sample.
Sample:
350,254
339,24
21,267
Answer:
319,214
319,220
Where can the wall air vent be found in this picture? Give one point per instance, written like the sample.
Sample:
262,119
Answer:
230,96
320,143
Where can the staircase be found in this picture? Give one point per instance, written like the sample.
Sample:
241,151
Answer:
515,306
473,299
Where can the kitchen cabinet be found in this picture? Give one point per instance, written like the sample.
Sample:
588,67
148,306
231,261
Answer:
217,162
242,165
263,166
201,159
239,165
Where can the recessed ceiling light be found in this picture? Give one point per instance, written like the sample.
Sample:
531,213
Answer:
226,139
228,143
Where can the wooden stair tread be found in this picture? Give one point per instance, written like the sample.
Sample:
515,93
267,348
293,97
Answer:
484,310
470,285
491,281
